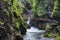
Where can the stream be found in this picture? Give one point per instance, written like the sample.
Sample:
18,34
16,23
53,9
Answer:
35,34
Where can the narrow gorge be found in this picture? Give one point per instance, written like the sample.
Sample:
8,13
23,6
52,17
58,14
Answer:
29,19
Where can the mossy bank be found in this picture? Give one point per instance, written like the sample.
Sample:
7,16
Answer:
11,22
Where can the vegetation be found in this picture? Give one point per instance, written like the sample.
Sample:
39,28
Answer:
11,21
13,25
56,10
39,7
54,29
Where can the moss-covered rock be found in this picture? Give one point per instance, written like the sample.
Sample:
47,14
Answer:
57,38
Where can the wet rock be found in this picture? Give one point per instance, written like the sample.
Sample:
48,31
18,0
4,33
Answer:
23,30
17,37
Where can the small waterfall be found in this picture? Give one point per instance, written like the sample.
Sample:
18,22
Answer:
28,20
33,29
35,34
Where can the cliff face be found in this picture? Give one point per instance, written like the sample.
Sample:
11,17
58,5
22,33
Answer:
11,21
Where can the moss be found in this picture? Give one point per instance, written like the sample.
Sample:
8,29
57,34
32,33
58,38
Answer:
1,23
50,35
56,10
52,31
57,38
17,25
9,24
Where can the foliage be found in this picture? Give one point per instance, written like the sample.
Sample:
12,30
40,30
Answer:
11,20
57,38
39,7
17,9
33,5
52,30
56,10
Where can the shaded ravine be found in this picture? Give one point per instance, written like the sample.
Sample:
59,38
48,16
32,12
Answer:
35,34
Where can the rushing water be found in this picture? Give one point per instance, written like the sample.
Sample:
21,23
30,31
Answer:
35,34
28,20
